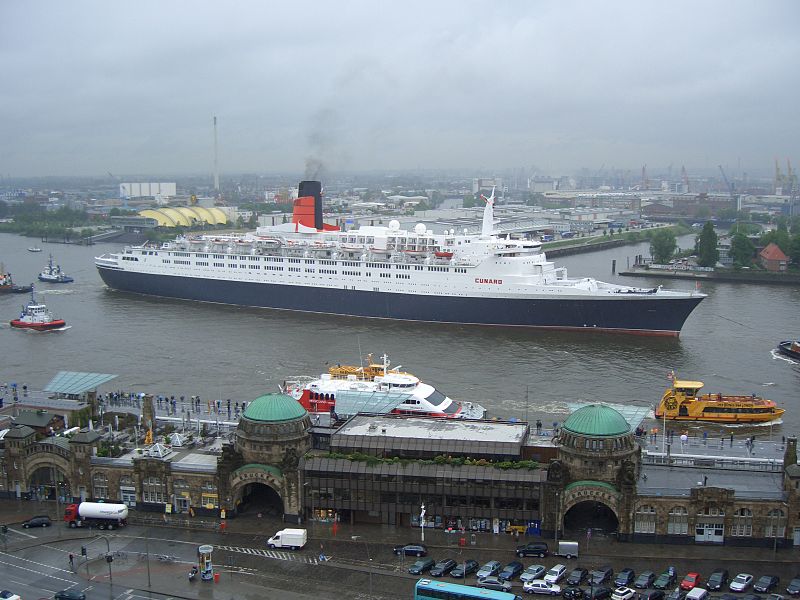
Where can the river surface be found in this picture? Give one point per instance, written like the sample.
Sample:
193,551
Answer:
183,348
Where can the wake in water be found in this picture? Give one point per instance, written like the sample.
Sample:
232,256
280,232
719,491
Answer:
777,355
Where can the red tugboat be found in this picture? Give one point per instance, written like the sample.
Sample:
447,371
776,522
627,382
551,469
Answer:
36,316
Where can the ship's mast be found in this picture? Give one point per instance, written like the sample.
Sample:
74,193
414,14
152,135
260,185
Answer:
488,216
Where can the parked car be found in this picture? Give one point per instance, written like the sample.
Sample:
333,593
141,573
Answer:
540,586
697,593
411,550
717,580
511,570
676,594
729,597
533,549
766,583
556,574
533,572
752,596
775,597
599,593
741,582
572,593
690,581
6,595
463,569
40,521
664,581
577,576
652,595
69,595
624,578
491,568
422,565
494,583
443,567
644,580
793,589
623,593
601,575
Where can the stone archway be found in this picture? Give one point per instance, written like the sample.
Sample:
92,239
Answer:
45,479
591,505
590,514
262,489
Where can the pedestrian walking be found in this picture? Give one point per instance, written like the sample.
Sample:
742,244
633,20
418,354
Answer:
71,561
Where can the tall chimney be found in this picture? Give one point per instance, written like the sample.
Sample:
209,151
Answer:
313,188
216,166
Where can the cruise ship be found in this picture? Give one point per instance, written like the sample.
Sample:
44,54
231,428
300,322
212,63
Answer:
385,272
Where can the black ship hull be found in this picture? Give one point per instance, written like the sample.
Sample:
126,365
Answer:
645,315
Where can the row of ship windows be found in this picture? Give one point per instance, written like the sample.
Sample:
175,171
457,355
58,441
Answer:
296,269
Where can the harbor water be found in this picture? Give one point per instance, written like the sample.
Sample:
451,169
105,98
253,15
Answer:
181,348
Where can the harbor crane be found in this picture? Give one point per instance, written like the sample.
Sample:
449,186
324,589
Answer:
730,187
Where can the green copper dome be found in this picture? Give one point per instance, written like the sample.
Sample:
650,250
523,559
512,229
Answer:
597,420
274,408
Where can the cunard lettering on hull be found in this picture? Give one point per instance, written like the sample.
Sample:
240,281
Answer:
389,273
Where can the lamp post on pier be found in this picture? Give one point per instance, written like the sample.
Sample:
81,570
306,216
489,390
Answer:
355,538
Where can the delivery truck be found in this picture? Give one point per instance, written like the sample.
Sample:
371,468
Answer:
293,539
102,515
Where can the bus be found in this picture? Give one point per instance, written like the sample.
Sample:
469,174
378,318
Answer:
429,589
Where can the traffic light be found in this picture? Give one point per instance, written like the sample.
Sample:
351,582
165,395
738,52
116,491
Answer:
83,551
4,529
109,558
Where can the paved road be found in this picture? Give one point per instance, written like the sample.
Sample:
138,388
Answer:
36,561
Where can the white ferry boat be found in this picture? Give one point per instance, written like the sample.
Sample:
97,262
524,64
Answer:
391,273
346,390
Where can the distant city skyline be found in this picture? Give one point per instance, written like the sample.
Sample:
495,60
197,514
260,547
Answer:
356,86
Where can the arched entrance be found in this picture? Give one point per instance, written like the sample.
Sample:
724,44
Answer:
590,514
260,499
44,481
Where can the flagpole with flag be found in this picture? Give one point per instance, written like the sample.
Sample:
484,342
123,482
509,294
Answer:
422,521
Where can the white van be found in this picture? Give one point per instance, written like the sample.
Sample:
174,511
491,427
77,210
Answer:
697,593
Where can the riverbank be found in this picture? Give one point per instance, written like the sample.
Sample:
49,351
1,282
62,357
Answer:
760,277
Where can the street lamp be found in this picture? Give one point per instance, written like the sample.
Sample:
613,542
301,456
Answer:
558,516
311,495
355,538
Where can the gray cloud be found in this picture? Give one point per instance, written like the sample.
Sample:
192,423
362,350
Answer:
91,87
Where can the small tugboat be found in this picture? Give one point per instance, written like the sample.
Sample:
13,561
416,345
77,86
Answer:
54,274
681,402
790,348
7,284
36,316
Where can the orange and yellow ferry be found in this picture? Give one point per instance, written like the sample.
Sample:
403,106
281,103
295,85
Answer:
682,403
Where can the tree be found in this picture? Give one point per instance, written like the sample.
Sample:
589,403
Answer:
794,249
780,237
707,253
662,245
742,250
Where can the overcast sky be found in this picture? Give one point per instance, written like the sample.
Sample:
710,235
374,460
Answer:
131,87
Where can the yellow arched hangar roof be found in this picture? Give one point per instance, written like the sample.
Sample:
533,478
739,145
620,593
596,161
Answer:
222,218
185,215
163,219
177,216
211,216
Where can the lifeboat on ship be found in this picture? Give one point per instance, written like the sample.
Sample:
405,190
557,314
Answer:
683,402
443,254
375,388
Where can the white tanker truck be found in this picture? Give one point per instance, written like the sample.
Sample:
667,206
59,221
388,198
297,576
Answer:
102,515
